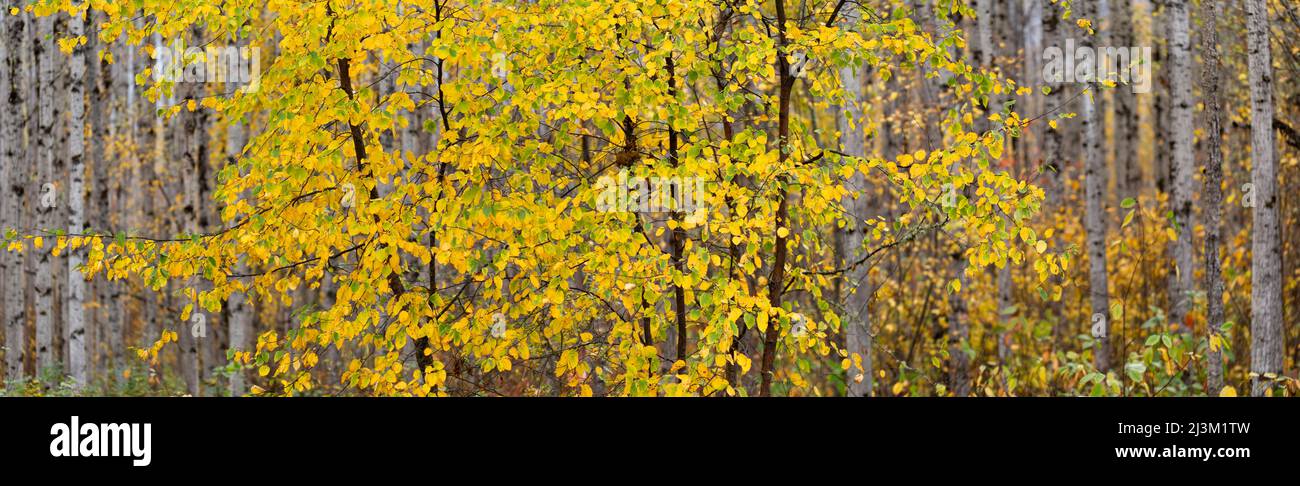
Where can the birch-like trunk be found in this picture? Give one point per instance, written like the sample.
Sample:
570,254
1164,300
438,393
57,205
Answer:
1032,104
239,310
1001,275
13,192
1053,139
190,144
74,301
106,321
1128,172
1265,246
1094,219
857,312
47,197
1180,142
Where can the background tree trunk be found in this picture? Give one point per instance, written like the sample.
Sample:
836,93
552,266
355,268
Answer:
1095,215
104,199
1213,195
1265,249
857,312
75,301
1180,142
13,119
239,310
190,144
43,285
1160,31
1128,172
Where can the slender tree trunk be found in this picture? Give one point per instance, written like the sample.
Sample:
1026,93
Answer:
1213,201
32,188
958,320
1163,152
1032,103
857,312
103,119
1053,138
1052,141
1180,126
191,145
983,47
1266,338
75,298
239,310
13,193
776,281
62,86
1002,275
677,239
1128,172
43,286
1095,220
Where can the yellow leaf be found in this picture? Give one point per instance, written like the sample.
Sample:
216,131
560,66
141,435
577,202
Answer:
1228,391
744,362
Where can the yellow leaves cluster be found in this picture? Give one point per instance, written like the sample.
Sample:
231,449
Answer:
512,95
151,353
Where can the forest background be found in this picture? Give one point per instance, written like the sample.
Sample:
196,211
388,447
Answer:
649,197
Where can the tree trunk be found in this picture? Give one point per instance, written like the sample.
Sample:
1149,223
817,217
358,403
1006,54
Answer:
12,193
1032,103
48,113
1053,138
1162,151
239,310
107,318
1095,221
1128,172
191,143
1180,141
857,313
74,311
1213,200
776,281
1265,247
